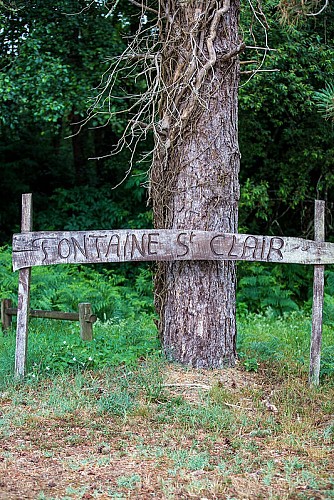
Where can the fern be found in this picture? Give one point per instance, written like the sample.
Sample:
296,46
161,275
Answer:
324,100
63,287
260,289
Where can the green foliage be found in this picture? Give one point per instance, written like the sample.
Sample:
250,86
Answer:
125,304
324,100
283,140
150,380
54,54
328,317
254,205
282,288
85,207
63,287
282,340
259,289
327,361
8,280
250,364
56,347
118,403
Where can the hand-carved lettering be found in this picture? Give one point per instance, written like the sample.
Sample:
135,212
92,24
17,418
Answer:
182,244
230,254
97,246
44,246
125,244
263,247
44,249
212,241
151,242
115,245
250,243
64,244
77,246
279,245
136,246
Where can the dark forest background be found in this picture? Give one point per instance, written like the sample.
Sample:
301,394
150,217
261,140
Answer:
54,55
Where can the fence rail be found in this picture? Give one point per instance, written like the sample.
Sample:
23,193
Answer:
85,317
64,247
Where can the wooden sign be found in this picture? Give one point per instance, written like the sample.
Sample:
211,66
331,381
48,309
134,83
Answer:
83,247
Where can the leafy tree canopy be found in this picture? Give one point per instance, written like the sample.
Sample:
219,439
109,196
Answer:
55,53
287,147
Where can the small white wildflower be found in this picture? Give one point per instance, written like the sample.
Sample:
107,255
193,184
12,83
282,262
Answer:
47,368
90,358
74,359
64,342
33,375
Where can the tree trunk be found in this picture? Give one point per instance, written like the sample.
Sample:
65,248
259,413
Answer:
194,180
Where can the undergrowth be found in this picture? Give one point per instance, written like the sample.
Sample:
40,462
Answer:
220,433
113,292
272,326
56,346
283,340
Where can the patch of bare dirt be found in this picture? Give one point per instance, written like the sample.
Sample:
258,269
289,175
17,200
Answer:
86,455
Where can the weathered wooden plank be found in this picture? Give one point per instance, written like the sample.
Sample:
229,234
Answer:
23,294
318,297
70,247
86,319
66,316
6,319
60,315
39,313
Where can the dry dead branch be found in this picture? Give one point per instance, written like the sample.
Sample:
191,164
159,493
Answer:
177,78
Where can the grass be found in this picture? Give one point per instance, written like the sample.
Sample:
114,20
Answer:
55,346
100,433
111,419
284,340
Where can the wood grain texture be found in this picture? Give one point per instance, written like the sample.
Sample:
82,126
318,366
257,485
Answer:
74,247
23,294
6,318
86,323
318,297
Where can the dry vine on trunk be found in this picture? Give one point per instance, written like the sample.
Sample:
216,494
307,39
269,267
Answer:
188,53
194,176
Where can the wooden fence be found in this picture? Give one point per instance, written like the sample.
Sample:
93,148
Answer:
68,247
85,317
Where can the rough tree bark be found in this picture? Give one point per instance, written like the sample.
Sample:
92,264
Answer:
194,180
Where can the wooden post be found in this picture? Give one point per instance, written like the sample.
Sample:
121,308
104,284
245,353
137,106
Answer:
6,319
318,297
86,319
23,295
